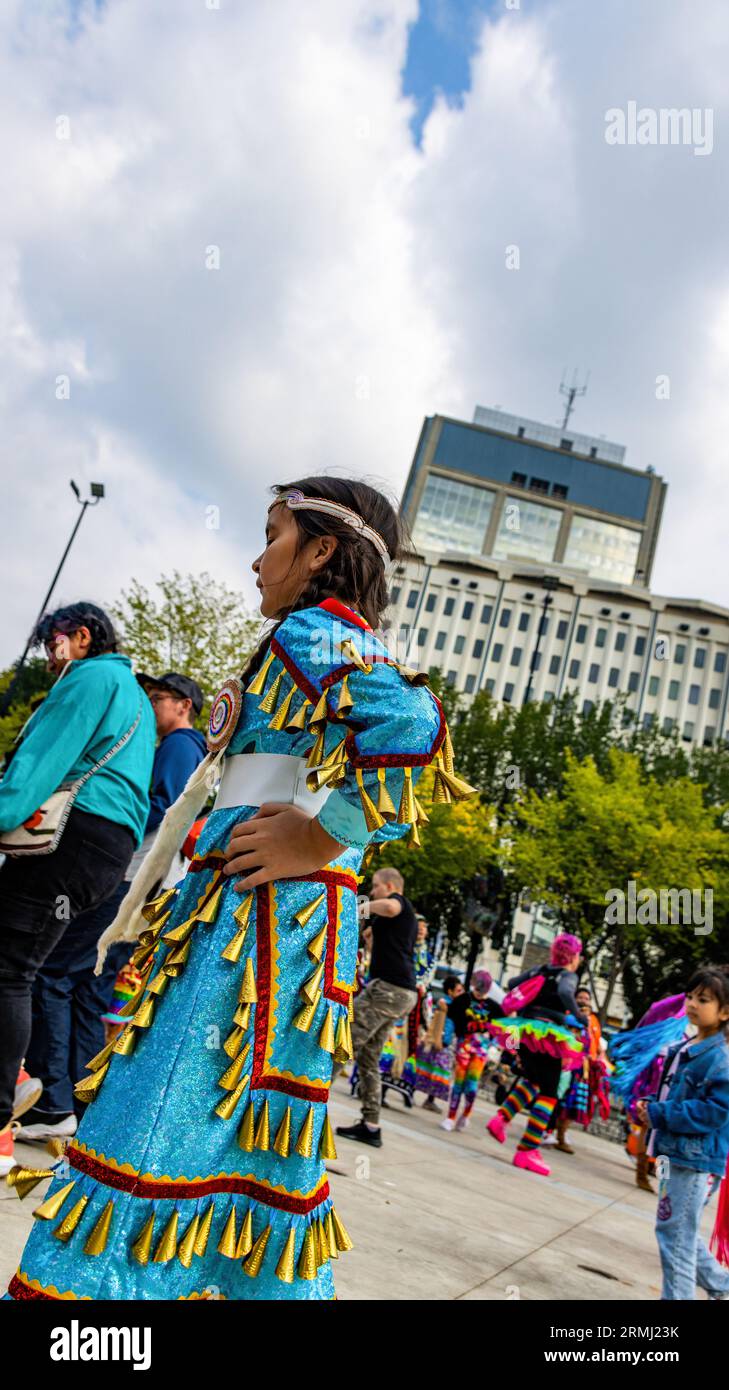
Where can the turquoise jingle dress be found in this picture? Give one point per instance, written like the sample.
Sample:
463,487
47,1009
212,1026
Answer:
198,1168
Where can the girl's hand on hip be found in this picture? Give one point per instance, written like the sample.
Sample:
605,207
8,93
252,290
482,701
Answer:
280,841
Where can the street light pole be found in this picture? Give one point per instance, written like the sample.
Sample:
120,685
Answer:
549,582
97,492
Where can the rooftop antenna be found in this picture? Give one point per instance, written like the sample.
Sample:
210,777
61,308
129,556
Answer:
570,392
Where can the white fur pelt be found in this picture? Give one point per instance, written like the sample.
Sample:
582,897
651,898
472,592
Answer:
156,865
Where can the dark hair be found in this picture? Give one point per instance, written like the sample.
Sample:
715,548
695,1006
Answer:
450,983
74,616
715,978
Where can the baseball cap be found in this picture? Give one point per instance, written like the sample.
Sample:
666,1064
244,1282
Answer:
180,685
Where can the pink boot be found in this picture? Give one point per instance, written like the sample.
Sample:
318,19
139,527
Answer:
497,1127
530,1159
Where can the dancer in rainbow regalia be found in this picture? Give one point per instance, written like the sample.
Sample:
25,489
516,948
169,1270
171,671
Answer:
198,1170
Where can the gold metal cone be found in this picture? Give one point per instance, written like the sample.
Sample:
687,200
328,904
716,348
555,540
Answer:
242,1015
441,795
286,1266
177,960
320,713
89,1088
246,1133
351,654
209,911
328,775
97,1237
326,1142
57,1147
149,935
282,1142
145,1014
124,1046
140,957
421,813
343,1051
413,839
331,1235
305,1143
48,1210
305,914
350,1009
142,1247
159,984
373,819
228,1241
326,1035
305,1016
268,703
132,1004
235,946
203,1232
385,803
447,749
153,910
317,943
322,1241
282,713
248,993
101,1057
232,1043
458,789
345,702
340,1235
227,1105
25,1179
242,914
167,1247
262,1138
255,1259
71,1220
232,1074
299,719
307,1258
258,683
245,1239
318,750
178,935
406,811
311,987
186,1248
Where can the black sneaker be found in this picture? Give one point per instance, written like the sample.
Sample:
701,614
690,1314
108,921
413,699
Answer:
362,1133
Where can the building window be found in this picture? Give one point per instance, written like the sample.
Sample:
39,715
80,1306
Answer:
587,705
547,696
543,625
467,611
668,724
693,695
458,646
648,720
518,479
554,665
486,612
709,733
505,617
448,607
394,596
600,636
603,549
516,656
422,636
524,621
559,490
452,516
574,670
688,730
508,692
440,640
614,676
470,683
561,629
653,685
581,633
639,648
430,603
593,673
714,698
673,689
451,677
700,657
478,649
497,651
527,529
539,485
680,654
620,641
490,687
536,661
412,598
720,661
633,682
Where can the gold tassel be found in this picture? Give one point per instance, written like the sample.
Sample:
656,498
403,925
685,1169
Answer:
317,752
343,1050
124,1046
131,1005
209,910
320,714
177,960
322,1241
269,701
310,987
326,1143
242,1015
48,1210
458,789
257,685
262,1138
341,1237
305,914
201,1239
282,713
235,946
228,1241
248,993
159,984
351,654
179,935
152,911
316,945
253,1264
142,1246
350,1009
242,914
286,1266
305,1016
232,1074
413,840
71,1220
304,1143
447,750
299,719
373,819
245,1239
227,1105
326,1036
25,1179
101,1057
140,957
441,795
98,1236
186,1248
148,936
144,1016
406,812
331,1236
232,1044
385,803
88,1089
167,1247
345,702
282,1142
422,816
307,1258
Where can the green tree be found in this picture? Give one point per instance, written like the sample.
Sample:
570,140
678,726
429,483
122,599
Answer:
34,682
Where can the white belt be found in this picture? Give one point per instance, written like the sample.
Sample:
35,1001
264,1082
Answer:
250,779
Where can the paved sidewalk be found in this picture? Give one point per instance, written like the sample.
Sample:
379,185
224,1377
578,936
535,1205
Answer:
440,1216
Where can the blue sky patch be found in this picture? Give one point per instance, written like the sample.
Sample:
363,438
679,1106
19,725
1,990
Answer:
440,46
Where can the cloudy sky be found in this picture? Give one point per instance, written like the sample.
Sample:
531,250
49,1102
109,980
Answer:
357,168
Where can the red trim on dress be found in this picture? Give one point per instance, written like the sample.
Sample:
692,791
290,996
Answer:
297,676
371,760
204,1187
18,1289
332,991
260,1079
340,610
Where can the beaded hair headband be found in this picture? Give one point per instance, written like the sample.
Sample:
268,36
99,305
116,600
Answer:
298,502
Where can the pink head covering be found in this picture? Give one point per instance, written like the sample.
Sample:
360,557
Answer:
481,981
564,947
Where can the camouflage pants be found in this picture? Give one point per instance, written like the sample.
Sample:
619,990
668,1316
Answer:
375,1011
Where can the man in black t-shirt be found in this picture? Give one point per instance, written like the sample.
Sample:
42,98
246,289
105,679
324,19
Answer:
390,993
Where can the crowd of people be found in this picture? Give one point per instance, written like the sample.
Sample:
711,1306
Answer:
158,887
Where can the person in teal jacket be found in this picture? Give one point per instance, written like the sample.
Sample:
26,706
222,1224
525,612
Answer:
95,701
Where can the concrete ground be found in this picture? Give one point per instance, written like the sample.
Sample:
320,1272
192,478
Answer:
440,1216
